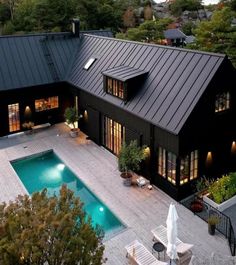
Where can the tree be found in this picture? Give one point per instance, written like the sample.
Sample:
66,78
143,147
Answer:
48,230
178,6
217,35
149,31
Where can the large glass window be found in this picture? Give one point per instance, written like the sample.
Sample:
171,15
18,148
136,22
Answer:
194,165
114,135
115,87
184,170
167,165
46,103
162,161
189,167
14,117
171,168
222,102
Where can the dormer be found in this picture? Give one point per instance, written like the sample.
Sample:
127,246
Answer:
123,81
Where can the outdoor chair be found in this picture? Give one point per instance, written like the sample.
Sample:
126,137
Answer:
141,255
160,234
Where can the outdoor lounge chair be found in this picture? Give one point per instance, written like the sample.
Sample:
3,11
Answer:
139,253
183,249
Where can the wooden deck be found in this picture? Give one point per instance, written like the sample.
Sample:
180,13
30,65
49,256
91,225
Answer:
140,209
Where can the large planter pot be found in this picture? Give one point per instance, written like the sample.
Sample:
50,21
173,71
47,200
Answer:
74,133
127,178
223,206
211,229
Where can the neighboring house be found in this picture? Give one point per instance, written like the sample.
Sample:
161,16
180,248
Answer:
180,103
175,37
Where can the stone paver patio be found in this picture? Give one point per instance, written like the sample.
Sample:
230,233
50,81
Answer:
139,209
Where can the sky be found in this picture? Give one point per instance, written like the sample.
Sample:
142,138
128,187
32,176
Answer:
205,2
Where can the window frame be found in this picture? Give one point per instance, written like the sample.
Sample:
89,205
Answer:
222,102
115,87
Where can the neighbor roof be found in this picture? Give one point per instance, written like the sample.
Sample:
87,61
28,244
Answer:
175,82
174,34
124,73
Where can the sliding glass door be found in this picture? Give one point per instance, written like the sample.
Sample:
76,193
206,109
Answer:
14,117
114,135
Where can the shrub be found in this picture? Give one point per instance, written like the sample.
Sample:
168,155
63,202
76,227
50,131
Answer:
223,188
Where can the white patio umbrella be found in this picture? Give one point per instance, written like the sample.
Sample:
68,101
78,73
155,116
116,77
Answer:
171,223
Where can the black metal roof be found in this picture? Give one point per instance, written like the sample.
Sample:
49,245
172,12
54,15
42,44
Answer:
37,59
124,73
174,34
175,82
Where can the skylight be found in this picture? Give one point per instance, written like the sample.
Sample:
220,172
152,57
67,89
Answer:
89,63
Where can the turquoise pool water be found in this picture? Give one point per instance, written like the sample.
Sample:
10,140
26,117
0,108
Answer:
48,171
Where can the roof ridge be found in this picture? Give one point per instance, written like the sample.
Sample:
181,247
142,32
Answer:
159,46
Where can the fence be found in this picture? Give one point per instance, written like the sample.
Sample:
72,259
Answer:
224,226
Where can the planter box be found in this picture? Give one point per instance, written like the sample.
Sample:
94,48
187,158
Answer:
223,206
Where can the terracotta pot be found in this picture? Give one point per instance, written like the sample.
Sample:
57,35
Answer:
74,133
127,178
196,206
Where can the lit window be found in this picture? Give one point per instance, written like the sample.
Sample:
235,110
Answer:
46,103
115,87
114,135
222,102
171,168
167,165
162,161
89,63
194,165
184,170
14,117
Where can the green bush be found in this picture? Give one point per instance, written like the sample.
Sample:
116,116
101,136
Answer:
130,157
223,188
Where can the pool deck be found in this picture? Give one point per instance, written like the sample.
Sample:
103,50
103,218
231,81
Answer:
139,209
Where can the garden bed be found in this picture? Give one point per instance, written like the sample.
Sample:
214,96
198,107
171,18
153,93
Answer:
222,206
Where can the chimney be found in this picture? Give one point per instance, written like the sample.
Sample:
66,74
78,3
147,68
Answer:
75,27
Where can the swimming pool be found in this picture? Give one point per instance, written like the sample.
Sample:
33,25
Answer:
46,170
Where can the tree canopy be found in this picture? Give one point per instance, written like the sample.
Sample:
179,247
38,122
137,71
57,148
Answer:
150,31
217,35
48,230
178,6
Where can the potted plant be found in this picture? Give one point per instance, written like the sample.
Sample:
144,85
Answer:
129,159
72,117
213,220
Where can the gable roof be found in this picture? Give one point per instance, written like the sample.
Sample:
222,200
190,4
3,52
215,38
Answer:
176,80
174,34
37,59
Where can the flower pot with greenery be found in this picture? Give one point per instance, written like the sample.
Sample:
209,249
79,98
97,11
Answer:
129,160
213,220
27,126
72,117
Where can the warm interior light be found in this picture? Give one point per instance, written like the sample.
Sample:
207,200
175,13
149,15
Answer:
233,147
85,115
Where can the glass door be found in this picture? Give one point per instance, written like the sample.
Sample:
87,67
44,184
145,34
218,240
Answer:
14,117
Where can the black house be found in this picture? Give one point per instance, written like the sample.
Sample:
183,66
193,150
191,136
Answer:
180,103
